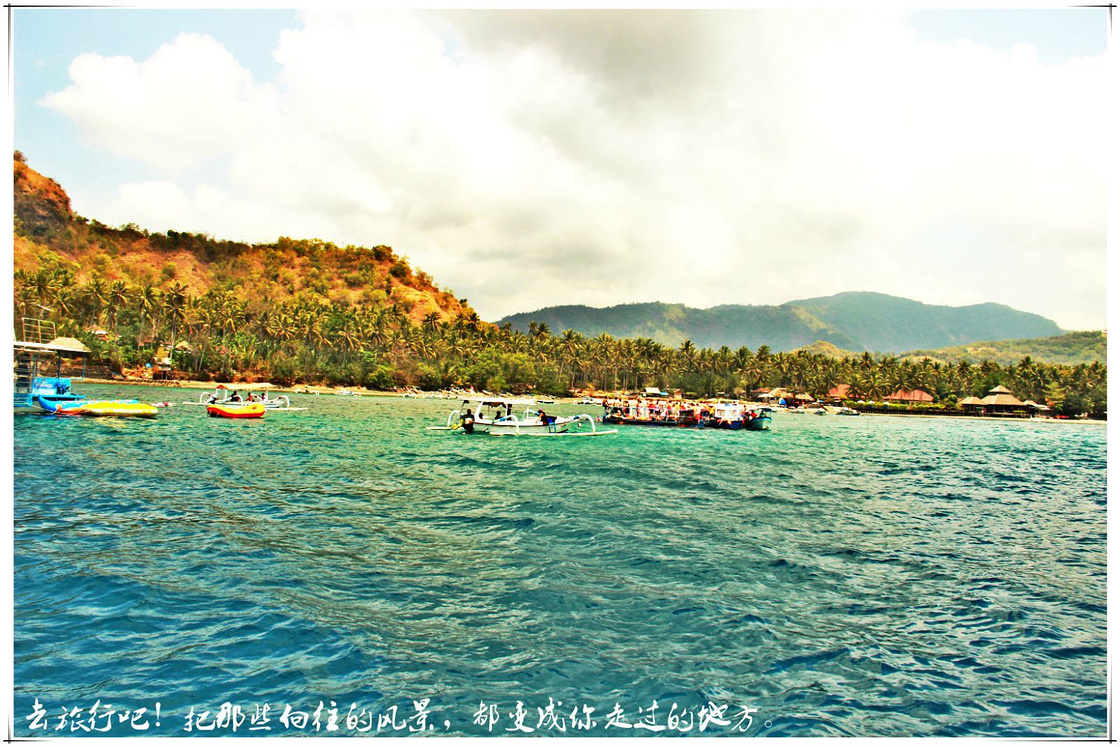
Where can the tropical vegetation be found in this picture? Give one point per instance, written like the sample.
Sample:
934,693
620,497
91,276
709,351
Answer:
1072,348
310,312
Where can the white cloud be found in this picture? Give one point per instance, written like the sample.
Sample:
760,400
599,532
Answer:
189,101
536,158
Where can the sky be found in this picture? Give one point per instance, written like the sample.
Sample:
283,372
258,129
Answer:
530,158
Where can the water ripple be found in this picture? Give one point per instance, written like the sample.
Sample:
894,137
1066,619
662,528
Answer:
871,577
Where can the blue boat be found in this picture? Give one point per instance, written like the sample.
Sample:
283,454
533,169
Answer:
735,416
757,419
36,393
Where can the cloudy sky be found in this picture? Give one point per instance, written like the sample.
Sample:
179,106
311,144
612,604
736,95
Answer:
528,158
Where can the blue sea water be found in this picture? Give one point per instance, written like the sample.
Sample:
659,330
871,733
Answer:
873,576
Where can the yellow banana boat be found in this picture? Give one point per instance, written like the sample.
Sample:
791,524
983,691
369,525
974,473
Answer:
110,408
245,410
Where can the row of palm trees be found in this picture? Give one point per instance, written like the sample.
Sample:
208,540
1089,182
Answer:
228,335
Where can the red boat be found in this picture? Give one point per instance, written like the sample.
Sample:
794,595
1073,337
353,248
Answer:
243,410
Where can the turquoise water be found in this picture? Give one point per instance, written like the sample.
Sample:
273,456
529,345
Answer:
844,576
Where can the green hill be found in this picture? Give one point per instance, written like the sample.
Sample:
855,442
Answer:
891,324
828,350
1070,349
851,321
50,238
782,328
189,306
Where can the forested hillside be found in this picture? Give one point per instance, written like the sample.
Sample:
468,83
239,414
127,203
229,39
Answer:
229,307
852,321
1072,348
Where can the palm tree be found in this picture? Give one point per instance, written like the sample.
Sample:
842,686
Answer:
96,295
147,302
176,301
117,295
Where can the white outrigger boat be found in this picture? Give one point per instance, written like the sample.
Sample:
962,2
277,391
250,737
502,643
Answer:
222,394
495,415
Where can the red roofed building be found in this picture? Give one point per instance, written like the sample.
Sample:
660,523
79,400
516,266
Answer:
910,397
839,393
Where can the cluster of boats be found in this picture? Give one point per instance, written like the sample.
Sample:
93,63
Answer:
501,416
823,410
53,395
226,402
477,414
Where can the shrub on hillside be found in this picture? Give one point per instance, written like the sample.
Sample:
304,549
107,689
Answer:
400,269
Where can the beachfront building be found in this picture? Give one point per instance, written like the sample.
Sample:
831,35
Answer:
971,404
839,393
911,397
1000,401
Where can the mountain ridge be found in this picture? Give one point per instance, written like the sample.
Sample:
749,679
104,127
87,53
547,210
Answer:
851,320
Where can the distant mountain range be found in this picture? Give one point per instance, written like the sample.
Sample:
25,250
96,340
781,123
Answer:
852,321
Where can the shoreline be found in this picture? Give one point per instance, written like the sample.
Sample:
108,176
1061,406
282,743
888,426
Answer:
360,392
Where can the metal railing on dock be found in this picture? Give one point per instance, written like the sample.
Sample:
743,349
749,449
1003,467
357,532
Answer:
40,331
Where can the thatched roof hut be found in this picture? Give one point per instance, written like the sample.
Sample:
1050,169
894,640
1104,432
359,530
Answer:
914,395
69,344
971,402
1001,397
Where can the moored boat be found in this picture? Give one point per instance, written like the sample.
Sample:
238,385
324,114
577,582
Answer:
229,394
757,418
726,415
496,415
38,349
236,411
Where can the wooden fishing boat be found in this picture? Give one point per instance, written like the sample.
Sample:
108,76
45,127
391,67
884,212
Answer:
496,416
732,416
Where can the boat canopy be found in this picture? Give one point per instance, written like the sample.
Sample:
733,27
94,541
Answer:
246,387
499,401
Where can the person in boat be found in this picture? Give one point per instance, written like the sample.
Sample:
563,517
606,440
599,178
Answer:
212,399
235,397
545,419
